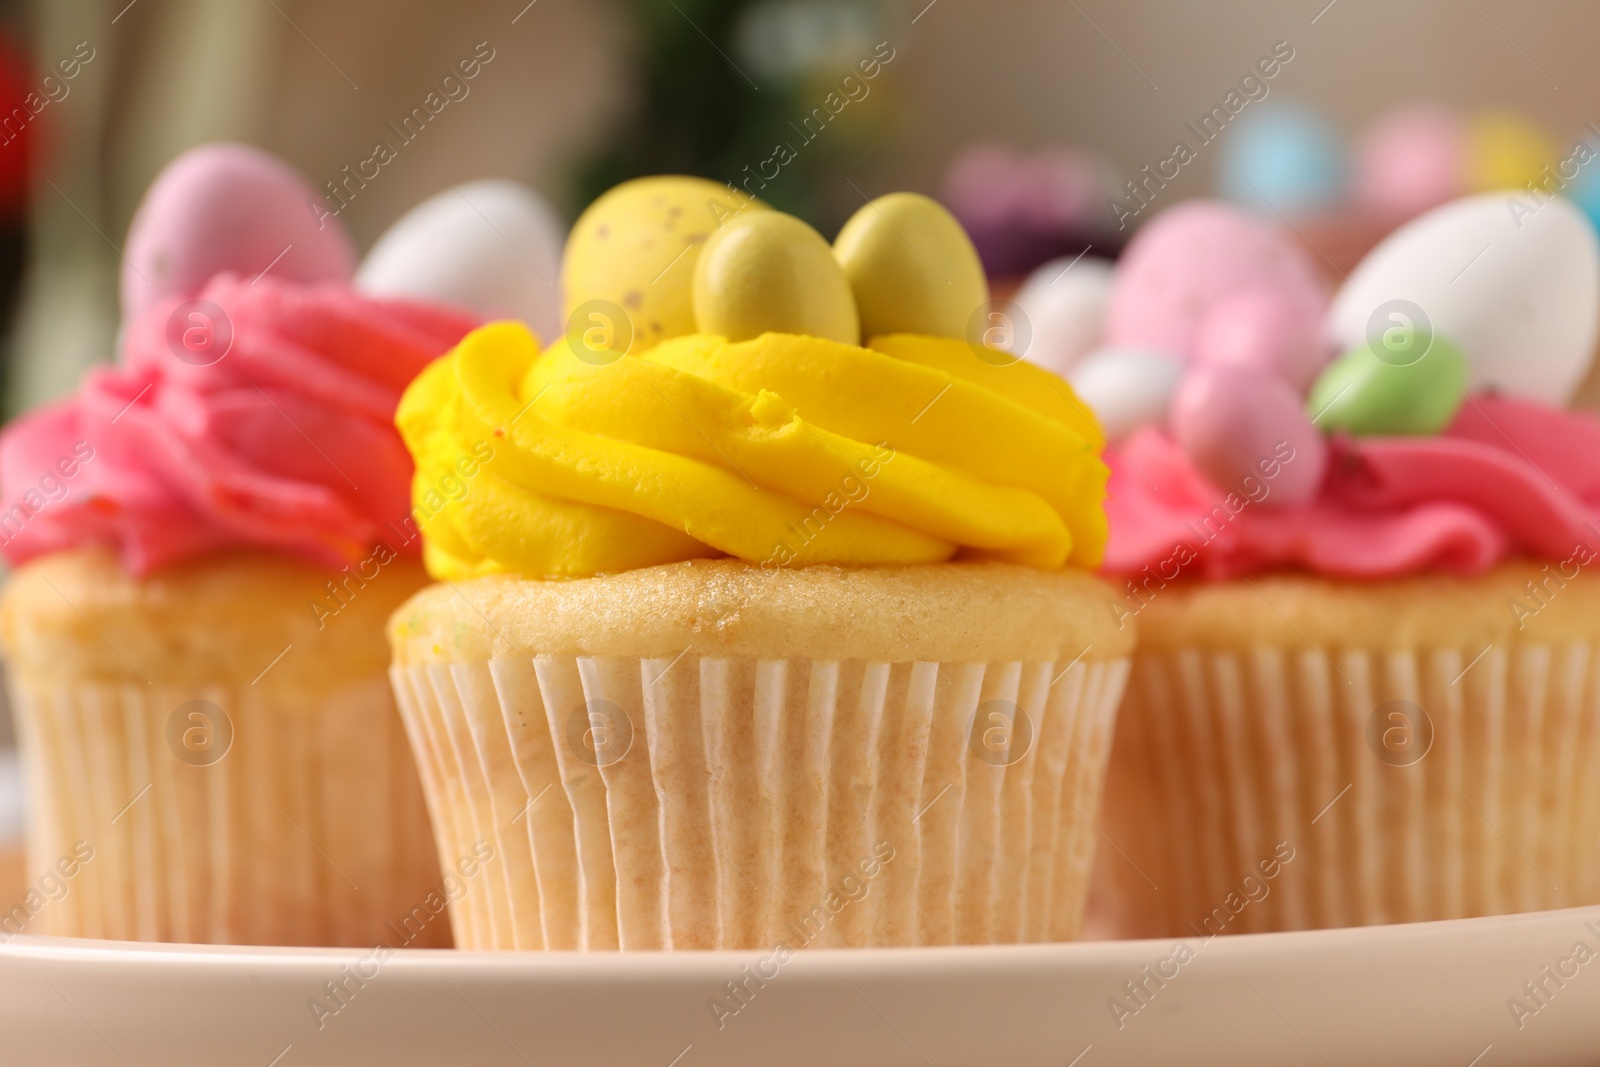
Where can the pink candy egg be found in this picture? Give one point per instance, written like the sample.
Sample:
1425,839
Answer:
1248,433
228,207
1411,160
1260,331
1191,258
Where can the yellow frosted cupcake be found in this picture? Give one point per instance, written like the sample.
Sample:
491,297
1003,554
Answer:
755,637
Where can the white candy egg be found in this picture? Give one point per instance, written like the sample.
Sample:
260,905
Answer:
1064,303
1515,283
1127,387
491,246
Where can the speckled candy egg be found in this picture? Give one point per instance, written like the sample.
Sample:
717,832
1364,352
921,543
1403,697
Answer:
229,207
1191,258
491,246
636,248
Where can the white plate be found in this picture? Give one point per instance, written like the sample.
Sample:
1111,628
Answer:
1427,993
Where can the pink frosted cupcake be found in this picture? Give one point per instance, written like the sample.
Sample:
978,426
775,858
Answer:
209,537
1365,689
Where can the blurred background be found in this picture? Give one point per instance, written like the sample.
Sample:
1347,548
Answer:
1051,127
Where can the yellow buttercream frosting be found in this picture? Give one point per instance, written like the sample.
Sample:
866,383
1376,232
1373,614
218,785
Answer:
782,450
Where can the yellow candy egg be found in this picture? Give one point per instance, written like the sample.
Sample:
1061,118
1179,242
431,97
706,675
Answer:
1505,151
635,249
767,271
912,268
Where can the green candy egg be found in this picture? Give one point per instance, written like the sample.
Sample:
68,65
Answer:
767,271
1366,395
912,267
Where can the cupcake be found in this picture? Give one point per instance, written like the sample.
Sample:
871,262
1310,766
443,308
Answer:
208,538
1364,690
749,636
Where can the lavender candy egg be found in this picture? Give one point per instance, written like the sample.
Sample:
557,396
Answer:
229,207
1127,388
1244,429
1259,330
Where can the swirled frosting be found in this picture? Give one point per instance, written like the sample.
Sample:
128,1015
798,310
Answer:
782,450
285,442
1507,477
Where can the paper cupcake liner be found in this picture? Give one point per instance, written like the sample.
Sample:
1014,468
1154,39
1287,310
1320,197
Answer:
307,828
1228,761
704,802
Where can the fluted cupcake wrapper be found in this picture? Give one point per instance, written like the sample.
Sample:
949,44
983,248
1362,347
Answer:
306,826
1402,786
705,802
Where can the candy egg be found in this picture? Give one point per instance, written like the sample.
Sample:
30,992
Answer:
491,246
770,271
635,249
1504,151
229,207
1064,303
1364,393
912,268
1412,159
1585,189
1281,156
1243,428
1515,283
1127,388
1023,208
1192,257
1256,329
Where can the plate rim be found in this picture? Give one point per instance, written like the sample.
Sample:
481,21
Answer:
690,962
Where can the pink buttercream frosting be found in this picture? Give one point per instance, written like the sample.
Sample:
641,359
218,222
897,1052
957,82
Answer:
1508,477
285,443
